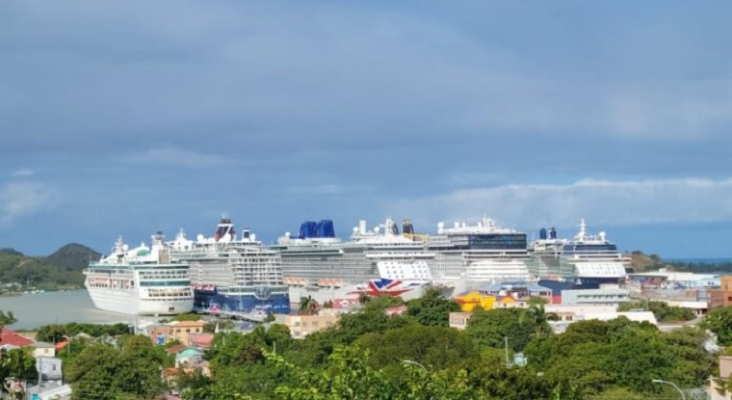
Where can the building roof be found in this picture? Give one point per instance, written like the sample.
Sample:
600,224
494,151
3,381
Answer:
176,349
202,340
8,337
188,324
60,345
508,286
44,345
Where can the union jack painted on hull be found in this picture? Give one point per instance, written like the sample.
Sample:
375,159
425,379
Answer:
385,287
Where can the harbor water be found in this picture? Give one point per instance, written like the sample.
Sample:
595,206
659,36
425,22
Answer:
38,309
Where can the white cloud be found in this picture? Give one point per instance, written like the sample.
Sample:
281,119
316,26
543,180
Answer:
180,157
601,203
22,173
19,199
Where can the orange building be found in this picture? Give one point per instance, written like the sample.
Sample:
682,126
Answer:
176,330
721,297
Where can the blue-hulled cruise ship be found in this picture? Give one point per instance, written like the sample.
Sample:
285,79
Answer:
231,274
583,262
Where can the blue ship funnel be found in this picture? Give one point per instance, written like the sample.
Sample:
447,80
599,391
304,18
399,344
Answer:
308,229
542,234
325,229
552,233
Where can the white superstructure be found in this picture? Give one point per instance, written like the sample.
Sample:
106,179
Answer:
585,259
593,256
140,281
234,273
469,256
320,265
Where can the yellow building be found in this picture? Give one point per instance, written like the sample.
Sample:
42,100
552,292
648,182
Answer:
468,301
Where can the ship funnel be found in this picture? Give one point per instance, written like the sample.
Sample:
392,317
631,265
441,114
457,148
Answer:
308,229
362,227
325,229
407,227
552,233
542,234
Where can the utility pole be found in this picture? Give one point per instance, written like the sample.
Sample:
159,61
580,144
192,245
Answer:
505,340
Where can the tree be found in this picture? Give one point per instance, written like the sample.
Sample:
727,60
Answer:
7,319
432,309
349,376
92,374
434,346
104,372
719,321
308,306
538,317
491,328
363,298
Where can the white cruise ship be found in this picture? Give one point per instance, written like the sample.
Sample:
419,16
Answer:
233,273
583,262
140,281
471,256
374,262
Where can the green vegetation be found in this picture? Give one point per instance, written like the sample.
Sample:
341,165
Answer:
131,370
662,311
719,322
58,332
60,270
372,355
15,364
7,319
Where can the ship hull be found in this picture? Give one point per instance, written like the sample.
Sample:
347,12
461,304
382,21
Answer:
247,303
576,284
129,302
343,297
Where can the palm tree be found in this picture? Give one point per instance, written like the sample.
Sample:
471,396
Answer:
363,298
308,305
537,316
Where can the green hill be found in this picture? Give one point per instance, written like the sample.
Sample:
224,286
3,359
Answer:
60,270
73,255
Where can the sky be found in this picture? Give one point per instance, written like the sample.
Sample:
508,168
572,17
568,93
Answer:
124,118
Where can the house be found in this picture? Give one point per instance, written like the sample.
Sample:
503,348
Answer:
43,349
49,391
11,339
201,340
176,330
459,320
49,368
190,357
303,325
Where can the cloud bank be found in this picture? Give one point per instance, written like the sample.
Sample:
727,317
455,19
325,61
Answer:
21,199
600,202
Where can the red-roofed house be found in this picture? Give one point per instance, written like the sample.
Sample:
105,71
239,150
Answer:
201,340
10,338
60,346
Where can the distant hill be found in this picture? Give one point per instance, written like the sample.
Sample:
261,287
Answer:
73,255
643,262
11,252
62,269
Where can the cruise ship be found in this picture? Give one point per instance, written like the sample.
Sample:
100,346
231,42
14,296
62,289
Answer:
140,281
233,274
583,262
471,256
375,262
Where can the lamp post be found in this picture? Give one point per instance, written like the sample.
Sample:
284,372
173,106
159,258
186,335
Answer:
415,363
683,397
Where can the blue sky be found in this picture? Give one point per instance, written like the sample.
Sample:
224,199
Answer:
126,118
